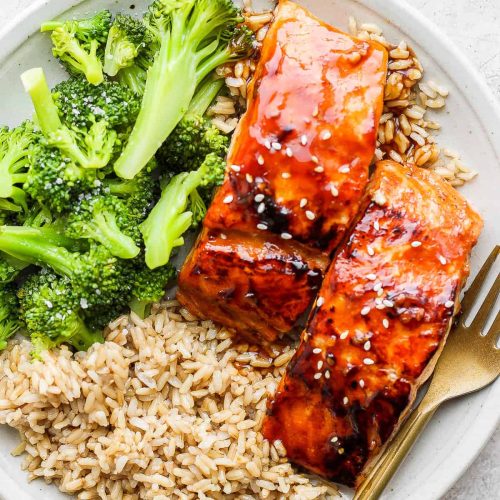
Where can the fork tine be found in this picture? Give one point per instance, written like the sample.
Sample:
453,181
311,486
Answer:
495,329
484,311
472,292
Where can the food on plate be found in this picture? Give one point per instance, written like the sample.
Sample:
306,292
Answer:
298,167
378,324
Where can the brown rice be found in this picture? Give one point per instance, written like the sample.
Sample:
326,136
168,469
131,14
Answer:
167,408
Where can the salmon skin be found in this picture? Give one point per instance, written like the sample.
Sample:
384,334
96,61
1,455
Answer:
378,325
297,170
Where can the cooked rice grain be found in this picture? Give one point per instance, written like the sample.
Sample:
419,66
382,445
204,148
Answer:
168,407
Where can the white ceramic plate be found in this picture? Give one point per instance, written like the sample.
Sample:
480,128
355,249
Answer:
471,125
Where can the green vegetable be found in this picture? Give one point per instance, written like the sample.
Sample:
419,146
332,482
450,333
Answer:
77,44
53,315
107,220
126,39
192,38
9,314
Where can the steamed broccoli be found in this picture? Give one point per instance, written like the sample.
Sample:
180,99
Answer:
148,286
9,314
81,104
107,220
192,38
134,77
15,150
78,43
178,209
52,313
89,148
95,274
126,39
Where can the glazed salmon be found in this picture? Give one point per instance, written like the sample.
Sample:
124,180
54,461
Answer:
378,325
297,170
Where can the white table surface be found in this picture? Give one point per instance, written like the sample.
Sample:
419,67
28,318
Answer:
474,25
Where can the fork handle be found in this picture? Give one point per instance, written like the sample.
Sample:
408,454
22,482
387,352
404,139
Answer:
378,477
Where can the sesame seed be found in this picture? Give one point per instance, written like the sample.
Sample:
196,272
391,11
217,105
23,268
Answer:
249,178
259,197
334,190
303,202
376,225
361,383
286,175
289,152
320,301
380,306
449,304
368,361
49,304
341,451
370,250
367,345
303,140
317,376
310,215
327,374
325,135
267,143
380,292
371,277
260,160
261,208
262,227
286,236
416,244
442,260
319,169
344,335
223,236
365,310
344,169
379,198
276,146
377,287
320,365
345,400
228,199
334,439
388,303
236,168
314,159
317,350
315,111
385,322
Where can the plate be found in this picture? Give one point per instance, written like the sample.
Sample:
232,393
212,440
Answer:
471,126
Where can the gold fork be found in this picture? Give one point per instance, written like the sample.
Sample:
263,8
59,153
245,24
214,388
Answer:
469,362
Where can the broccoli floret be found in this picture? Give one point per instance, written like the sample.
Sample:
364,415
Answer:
148,286
192,38
126,39
15,150
107,220
195,136
81,104
10,268
96,275
171,217
78,43
138,193
52,313
89,148
56,181
9,314
133,77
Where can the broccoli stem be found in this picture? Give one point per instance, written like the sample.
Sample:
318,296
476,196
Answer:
205,95
166,99
38,246
107,232
50,26
168,221
140,307
35,84
83,337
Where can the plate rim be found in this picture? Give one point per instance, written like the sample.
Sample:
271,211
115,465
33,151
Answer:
484,104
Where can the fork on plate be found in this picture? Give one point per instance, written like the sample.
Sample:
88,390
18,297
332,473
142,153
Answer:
469,362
